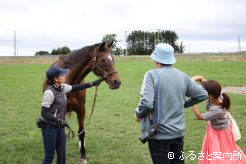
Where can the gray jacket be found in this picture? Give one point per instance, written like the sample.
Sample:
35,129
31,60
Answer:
163,94
55,103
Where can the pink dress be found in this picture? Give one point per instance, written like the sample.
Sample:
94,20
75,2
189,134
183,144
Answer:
219,147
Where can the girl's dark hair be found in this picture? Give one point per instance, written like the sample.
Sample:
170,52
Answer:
49,82
214,89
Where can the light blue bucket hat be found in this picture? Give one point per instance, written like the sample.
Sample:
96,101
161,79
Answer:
164,54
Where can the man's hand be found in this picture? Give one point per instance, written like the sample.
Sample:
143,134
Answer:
137,119
244,93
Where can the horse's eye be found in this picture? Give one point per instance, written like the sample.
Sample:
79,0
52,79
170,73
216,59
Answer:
103,60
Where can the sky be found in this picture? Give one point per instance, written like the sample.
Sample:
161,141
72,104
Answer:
202,25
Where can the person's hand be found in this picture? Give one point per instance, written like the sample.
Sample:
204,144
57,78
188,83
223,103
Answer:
244,93
62,123
137,119
96,82
198,78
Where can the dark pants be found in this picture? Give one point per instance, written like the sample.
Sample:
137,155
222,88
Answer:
54,139
167,151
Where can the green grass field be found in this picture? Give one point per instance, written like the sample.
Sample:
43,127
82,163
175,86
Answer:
112,135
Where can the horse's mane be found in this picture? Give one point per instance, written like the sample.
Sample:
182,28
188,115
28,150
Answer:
77,56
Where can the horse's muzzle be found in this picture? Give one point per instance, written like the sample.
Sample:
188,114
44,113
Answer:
114,84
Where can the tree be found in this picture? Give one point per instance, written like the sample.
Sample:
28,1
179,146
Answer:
41,53
108,38
181,48
61,51
119,51
143,43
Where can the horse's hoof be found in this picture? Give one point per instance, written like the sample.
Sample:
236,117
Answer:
83,161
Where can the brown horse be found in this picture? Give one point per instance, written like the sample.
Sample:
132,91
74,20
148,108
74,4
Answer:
96,58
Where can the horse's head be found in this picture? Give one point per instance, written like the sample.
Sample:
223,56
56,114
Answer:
103,65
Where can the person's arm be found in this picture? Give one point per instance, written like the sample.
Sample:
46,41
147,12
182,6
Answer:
47,116
147,97
198,78
50,118
196,112
244,93
48,99
196,92
79,87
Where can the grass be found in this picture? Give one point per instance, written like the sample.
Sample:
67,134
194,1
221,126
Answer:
112,135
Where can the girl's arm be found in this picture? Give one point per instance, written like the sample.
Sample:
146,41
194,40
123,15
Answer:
196,112
79,87
198,78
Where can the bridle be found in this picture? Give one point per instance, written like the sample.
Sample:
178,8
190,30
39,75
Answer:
95,66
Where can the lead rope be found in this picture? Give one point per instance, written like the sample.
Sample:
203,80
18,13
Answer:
70,131
92,110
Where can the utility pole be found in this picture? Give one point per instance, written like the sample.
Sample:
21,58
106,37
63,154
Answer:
239,44
126,41
158,38
155,39
14,43
144,41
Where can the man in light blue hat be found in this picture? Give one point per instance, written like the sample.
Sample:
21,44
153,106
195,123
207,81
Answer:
161,106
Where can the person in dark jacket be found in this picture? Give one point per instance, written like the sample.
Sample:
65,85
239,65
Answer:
53,113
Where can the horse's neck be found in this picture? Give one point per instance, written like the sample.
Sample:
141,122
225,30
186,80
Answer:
79,72
79,66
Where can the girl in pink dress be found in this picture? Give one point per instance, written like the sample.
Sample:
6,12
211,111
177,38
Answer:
219,145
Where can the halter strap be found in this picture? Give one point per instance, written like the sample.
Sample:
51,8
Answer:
95,66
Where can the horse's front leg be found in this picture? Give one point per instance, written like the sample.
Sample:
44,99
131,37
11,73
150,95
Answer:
82,145
81,132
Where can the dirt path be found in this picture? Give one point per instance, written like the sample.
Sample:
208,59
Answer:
238,90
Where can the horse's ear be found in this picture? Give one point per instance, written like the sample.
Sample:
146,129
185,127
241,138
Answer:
102,45
110,44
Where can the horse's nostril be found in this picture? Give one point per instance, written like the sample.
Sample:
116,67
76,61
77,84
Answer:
117,82
114,84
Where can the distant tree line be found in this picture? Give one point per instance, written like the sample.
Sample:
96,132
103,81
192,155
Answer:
137,43
59,51
143,43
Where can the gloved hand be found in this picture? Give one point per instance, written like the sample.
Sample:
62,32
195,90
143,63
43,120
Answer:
96,82
62,123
